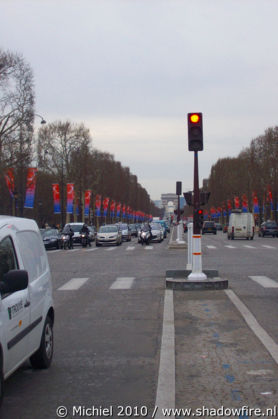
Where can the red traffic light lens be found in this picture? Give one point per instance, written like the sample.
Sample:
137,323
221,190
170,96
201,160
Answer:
194,118
200,211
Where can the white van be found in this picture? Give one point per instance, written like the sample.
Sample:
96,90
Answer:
26,303
241,225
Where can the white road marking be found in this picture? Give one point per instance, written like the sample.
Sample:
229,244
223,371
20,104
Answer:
165,394
249,247
91,250
130,248
211,247
261,334
148,247
73,284
268,247
110,248
229,246
123,283
54,251
264,281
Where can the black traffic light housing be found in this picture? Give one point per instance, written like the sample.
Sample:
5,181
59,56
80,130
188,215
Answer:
198,218
204,198
195,131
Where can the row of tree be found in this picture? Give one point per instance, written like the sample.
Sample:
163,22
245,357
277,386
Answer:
252,174
62,151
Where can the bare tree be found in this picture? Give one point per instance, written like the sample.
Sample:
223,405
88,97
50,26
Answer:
16,110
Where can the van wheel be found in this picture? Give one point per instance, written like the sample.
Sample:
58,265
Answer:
43,357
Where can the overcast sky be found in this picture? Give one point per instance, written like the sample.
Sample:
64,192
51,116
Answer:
131,70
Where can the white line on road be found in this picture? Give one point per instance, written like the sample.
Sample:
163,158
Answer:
268,247
73,284
130,248
261,334
54,251
110,248
264,281
249,247
211,247
91,250
149,248
123,283
165,395
229,246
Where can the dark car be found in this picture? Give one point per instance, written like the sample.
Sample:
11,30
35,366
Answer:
268,228
209,227
51,238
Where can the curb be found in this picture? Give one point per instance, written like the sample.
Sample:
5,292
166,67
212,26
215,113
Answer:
177,280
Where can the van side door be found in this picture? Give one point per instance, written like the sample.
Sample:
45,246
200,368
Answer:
14,311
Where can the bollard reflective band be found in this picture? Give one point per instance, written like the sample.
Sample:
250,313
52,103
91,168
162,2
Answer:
197,253
196,237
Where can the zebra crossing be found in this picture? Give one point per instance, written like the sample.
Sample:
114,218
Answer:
246,246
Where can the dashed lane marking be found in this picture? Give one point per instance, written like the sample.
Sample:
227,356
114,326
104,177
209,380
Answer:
149,248
130,248
249,247
229,246
264,281
123,283
91,250
211,247
73,284
268,247
108,249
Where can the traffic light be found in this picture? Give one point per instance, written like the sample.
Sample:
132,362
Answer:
178,188
195,131
188,198
198,218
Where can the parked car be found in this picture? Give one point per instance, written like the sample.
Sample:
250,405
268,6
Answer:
126,231
51,238
268,228
26,303
109,234
209,227
157,232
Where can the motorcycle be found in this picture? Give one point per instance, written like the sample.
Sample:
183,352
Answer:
145,237
66,241
85,240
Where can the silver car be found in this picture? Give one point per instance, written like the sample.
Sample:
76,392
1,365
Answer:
109,234
157,232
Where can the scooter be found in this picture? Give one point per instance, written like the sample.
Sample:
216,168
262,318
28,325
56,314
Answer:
85,240
145,237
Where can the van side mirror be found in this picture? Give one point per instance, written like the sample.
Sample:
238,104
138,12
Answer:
14,280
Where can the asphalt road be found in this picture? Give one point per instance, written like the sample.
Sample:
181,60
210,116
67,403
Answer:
110,334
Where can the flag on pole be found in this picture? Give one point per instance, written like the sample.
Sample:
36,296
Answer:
30,187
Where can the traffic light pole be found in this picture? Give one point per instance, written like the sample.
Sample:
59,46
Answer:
196,274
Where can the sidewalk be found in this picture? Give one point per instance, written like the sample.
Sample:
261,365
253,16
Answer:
219,360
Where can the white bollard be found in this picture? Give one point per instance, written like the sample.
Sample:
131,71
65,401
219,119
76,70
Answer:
196,274
189,244
179,232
